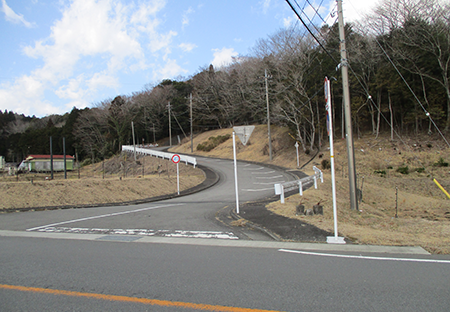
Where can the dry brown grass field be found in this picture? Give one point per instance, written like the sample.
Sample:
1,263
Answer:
117,180
423,209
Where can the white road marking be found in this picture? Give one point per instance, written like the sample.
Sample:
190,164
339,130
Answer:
257,190
363,257
267,183
141,232
267,172
267,178
251,169
102,216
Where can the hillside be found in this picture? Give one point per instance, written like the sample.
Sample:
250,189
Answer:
423,209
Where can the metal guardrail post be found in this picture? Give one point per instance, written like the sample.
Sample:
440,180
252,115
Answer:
280,187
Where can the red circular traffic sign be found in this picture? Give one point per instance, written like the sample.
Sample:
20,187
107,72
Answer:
176,159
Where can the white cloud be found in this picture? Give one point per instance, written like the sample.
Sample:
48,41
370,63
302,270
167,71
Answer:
223,57
287,22
187,47
92,42
13,17
355,9
171,69
265,5
25,96
185,19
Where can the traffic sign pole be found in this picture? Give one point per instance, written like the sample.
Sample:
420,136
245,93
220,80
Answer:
176,160
235,173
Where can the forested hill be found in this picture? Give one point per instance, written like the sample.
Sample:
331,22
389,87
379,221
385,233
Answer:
399,60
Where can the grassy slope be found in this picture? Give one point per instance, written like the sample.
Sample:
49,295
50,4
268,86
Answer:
423,209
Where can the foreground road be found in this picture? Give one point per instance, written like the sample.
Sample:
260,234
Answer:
102,275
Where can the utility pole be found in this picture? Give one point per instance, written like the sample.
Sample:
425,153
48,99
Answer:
65,162
170,127
134,142
192,134
347,110
51,156
268,115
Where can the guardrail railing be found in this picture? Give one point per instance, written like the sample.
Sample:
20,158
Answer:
281,188
145,151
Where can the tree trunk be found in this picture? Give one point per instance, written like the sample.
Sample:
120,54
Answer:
392,117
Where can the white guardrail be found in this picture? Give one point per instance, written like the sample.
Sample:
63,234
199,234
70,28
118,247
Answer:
151,152
281,188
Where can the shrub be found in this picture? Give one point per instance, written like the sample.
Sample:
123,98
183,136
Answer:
419,170
212,143
403,170
326,164
441,163
381,172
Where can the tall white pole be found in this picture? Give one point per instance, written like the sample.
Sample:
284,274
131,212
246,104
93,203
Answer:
235,173
178,178
334,239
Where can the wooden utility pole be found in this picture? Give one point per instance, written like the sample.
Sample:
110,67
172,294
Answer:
268,115
170,126
134,142
347,111
192,134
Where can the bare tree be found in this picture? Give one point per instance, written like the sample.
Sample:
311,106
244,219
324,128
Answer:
419,33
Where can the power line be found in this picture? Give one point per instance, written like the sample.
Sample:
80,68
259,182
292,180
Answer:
311,33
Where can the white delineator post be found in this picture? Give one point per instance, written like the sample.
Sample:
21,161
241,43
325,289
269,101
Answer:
332,239
176,159
235,173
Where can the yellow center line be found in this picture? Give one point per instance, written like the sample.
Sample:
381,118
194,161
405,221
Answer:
156,302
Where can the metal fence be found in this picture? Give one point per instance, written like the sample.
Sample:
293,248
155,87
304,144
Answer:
146,151
281,188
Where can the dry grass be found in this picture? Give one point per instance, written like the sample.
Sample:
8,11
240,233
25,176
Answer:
119,179
423,209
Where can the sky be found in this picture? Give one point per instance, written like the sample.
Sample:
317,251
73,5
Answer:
60,54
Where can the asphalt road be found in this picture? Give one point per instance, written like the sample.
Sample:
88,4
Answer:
105,275
80,260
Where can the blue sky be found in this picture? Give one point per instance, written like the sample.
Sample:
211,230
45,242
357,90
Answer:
57,54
